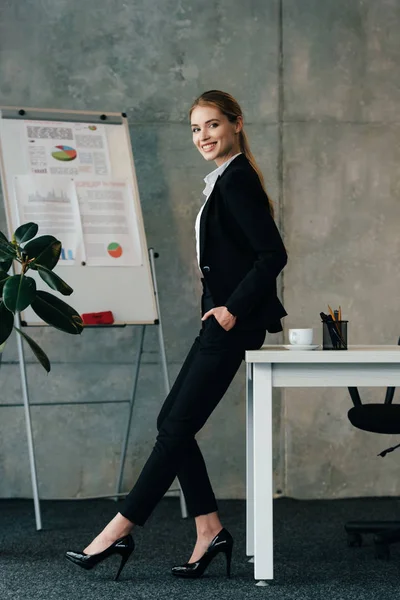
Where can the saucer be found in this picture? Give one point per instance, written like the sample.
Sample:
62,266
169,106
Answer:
301,346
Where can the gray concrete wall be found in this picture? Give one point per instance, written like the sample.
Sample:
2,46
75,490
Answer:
341,223
323,114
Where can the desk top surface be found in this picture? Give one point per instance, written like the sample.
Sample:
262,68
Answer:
354,354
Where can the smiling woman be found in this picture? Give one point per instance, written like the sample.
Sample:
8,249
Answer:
214,135
240,255
223,119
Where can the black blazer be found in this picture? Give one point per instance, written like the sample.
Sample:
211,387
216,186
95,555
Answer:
241,250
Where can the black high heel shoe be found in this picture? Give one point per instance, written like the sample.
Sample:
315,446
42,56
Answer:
223,542
124,546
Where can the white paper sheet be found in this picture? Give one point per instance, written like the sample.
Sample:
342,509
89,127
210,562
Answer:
51,202
109,223
67,149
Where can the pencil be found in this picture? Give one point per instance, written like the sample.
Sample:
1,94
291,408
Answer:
331,313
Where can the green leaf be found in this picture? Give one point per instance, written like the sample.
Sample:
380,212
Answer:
5,265
6,323
53,280
26,232
4,241
36,349
7,250
18,292
57,313
3,278
45,249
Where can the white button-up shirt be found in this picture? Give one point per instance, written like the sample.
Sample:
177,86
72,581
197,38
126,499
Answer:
210,180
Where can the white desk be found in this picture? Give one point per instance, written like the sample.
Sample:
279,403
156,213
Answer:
274,366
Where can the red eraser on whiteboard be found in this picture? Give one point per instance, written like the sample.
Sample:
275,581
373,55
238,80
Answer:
99,318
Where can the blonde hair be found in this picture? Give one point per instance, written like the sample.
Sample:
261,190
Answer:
231,109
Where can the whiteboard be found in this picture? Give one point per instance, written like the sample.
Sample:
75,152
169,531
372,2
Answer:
127,291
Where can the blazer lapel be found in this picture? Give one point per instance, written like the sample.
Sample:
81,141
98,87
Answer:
203,220
242,160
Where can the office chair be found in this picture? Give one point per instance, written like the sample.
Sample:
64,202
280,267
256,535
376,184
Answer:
377,418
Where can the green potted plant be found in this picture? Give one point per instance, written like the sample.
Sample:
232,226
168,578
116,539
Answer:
19,291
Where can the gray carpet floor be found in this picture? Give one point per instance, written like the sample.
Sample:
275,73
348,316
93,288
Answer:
312,560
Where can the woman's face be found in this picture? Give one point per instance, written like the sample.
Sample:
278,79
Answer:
214,135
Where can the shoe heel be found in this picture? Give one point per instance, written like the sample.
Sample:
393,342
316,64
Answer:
124,559
228,556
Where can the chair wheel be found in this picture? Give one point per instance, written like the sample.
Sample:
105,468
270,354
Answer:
382,550
354,540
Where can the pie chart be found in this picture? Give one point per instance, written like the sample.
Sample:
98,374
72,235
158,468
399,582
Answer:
114,250
64,153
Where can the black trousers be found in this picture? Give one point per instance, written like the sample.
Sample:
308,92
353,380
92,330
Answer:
206,374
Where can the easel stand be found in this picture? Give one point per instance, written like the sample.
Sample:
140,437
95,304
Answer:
27,405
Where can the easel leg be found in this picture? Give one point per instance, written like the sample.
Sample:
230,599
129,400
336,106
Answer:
184,512
164,364
131,404
31,449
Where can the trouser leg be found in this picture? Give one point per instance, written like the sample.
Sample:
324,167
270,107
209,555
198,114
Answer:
192,470
208,376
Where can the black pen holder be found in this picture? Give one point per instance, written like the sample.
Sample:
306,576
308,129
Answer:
334,335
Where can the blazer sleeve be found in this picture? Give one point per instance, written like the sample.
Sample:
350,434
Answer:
246,200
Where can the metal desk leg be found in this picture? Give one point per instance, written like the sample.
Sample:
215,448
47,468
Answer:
263,472
250,462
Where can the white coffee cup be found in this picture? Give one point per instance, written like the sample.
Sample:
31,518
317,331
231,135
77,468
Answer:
300,337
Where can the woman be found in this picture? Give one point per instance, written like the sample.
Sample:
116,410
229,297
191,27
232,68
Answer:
240,255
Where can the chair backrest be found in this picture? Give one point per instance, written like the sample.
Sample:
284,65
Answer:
377,418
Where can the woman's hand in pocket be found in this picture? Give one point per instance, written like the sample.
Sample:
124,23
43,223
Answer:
222,315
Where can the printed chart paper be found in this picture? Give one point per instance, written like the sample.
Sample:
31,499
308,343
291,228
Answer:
67,149
109,224
51,202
